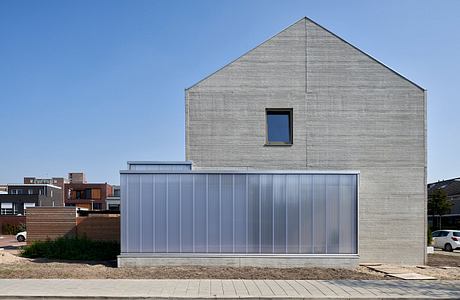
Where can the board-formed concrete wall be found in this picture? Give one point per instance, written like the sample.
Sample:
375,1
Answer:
350,112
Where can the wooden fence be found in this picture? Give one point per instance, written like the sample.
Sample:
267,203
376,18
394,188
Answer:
45,223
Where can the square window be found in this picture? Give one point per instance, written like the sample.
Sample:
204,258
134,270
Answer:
279,126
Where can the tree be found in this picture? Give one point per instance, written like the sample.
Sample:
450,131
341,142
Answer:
438,204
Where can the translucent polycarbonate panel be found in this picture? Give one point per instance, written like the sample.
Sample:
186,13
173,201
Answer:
293,214
266,210
347,213
226,214
319,214
134,210
186,217
279,214
306,214
199,209
173,213
240,213
160,213
146,210
253,220
266,213
213,213
124,212
332,214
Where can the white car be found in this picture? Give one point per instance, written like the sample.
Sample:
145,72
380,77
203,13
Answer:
21,236
448,240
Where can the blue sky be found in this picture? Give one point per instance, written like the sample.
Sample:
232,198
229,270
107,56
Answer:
89,85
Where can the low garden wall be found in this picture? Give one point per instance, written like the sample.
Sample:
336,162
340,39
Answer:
99,227
12,224
49,223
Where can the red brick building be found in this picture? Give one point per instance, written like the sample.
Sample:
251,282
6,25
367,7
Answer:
90,196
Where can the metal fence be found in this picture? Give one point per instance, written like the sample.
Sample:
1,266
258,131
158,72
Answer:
241,213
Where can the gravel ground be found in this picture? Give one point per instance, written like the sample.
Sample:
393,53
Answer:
440,265
12,266
26,268
443,260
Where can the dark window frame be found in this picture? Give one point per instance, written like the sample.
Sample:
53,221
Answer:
291,126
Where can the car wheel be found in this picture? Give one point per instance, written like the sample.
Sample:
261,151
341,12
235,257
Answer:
21,238
448,247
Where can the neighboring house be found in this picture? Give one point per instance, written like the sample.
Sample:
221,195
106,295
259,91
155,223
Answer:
113,202
77,177
56,181
21,196
84,195
281,139
452,189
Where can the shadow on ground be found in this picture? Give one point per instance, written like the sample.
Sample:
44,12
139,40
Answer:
106,263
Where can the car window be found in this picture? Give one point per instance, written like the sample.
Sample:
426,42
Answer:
456,233
435,233
444,233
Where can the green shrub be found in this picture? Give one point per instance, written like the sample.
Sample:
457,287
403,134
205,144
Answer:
72,249
13,228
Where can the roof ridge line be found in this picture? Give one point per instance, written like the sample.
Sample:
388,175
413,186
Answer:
250,50
366,54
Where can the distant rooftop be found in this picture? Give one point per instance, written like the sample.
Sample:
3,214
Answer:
451,186
33,185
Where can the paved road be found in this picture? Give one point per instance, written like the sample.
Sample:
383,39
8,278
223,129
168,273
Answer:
441,252
260,289
9,243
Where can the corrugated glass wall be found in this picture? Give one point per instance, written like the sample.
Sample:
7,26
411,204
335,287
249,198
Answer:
262,213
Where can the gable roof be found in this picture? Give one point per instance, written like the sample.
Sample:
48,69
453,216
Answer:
451,186
305,19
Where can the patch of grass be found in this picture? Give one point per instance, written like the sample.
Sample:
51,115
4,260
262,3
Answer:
72,249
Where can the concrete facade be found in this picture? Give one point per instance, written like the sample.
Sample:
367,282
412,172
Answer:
273,261
350,112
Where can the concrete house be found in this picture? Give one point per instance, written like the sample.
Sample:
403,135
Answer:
324,146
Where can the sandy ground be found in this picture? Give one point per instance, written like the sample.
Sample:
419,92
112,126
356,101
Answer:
440,265
18,267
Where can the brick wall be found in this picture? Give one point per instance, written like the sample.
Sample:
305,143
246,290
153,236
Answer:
12,220
99,227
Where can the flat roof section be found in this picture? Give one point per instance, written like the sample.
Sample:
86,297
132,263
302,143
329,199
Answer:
33,184
331,172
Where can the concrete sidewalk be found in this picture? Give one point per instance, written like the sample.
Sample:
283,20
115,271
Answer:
260,289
